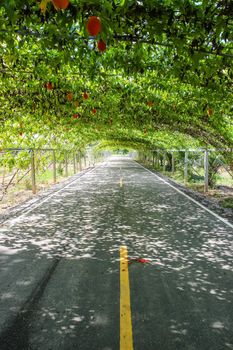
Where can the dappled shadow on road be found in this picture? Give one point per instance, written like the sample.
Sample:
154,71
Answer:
185,292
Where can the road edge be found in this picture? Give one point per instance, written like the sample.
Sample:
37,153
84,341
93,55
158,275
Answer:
224,215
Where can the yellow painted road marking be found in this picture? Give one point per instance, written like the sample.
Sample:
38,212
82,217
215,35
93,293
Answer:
126,335
121,182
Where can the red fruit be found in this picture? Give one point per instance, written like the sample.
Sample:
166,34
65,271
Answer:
60,4
149,103
94,110
76,116
93,25
101,46
85,95
210,112
69,96
49,86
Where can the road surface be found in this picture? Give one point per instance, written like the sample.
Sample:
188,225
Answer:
64,279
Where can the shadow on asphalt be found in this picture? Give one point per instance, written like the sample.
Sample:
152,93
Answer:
181,300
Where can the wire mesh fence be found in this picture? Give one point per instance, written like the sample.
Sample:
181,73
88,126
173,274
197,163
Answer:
207,171
27,171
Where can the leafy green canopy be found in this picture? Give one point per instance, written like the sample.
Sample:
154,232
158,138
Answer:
165,79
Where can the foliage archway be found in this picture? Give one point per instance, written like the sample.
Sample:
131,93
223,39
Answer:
164,80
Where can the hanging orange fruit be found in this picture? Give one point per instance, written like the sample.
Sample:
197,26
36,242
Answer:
101,46
60,4
85,95
69,96
76,116
49,86
210,112
93,25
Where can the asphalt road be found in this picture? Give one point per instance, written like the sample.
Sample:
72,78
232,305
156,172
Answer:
59,267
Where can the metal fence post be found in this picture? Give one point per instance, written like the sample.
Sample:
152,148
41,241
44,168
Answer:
33,172
206,170
173,162
77,161
80,161
74,163
158,160
54,167
66,164
164,161
186,166
85,161
151,158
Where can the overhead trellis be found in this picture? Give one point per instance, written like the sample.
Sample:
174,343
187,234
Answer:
165,77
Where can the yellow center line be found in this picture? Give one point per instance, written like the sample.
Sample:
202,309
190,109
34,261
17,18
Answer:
126,334
121,182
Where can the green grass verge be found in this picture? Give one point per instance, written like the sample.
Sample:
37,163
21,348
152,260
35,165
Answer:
227,202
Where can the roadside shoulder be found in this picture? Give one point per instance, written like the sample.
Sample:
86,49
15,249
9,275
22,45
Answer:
208,202
20,208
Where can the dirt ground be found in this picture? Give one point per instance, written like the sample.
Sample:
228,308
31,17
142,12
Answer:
16,198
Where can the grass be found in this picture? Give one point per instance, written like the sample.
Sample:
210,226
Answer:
224,179
196,183
227,202
23,190
46,177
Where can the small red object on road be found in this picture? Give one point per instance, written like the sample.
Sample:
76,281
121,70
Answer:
143,261
139,260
